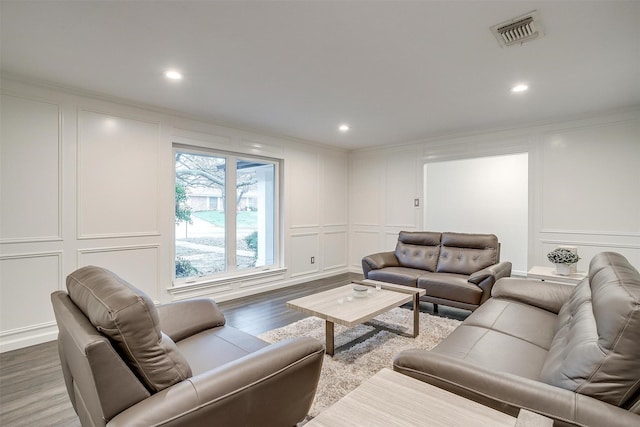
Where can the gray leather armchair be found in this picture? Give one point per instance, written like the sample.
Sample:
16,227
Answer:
127,363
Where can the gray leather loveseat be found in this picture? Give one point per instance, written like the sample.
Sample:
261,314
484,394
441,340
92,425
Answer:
128,363
571,353
455,269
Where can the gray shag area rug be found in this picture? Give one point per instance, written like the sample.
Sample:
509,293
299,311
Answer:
365,350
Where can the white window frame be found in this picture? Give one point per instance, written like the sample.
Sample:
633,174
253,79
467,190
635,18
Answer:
232,273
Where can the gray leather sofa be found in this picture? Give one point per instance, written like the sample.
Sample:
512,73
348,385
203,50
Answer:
571,353
455,269
127,363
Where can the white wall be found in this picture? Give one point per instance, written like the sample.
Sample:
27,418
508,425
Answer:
90,181
589,183
584,187
482,195
85,180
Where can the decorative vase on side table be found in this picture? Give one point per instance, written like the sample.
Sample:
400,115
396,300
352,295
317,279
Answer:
563,259
563,269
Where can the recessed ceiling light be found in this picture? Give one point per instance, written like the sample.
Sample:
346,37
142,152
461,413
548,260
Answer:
519,88
343,128
173,75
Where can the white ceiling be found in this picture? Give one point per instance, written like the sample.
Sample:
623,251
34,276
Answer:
396,71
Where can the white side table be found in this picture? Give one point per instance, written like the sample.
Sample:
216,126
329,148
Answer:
548,273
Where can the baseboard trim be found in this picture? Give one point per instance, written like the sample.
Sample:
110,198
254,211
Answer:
33,336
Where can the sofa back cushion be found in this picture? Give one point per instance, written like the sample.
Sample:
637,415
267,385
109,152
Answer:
596,348
418,249
129,318
465,253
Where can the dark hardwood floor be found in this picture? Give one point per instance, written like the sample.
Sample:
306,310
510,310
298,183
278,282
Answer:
263,312
32,390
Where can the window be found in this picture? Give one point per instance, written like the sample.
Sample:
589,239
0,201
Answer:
226,214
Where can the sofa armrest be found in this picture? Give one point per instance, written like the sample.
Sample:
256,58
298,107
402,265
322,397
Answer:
497,271
509,393
548,296
183,319
487,277
379,260
273,386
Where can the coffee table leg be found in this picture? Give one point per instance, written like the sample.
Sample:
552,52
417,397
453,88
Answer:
329,334
416,315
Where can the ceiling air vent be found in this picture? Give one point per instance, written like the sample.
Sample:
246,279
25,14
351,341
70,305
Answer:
518,30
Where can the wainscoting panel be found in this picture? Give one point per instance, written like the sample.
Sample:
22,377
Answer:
302,182
25,305
137,265
401,188
303,247
391,240
30,180
366,190
117,176
334,250
335,186
363,243
591,179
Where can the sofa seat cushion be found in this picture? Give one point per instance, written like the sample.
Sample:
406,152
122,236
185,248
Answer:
215,347
494,351
450,286
399,275
517,319
504,336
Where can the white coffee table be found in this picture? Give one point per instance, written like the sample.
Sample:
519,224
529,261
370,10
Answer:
354,311
393,399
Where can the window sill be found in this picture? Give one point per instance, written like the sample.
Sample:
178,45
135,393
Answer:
204,283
